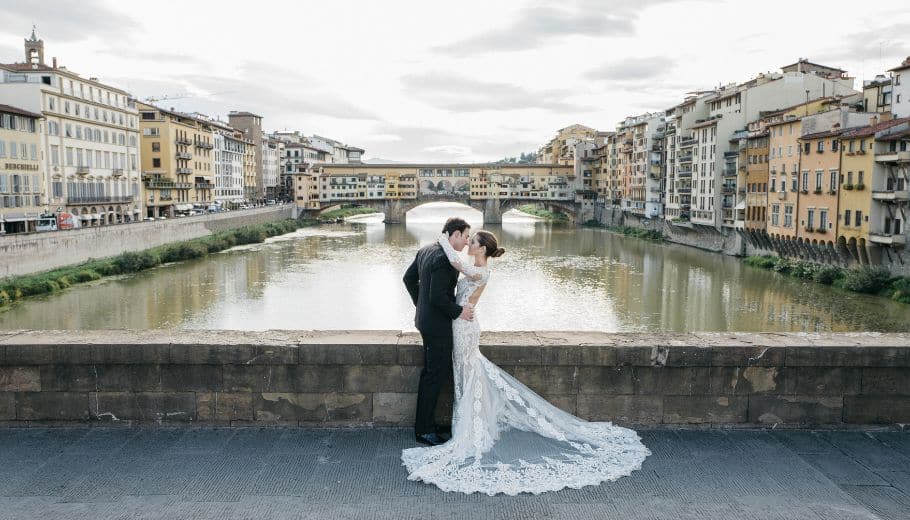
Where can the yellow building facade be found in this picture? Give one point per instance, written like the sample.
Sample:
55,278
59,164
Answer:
176,152
818,183
783,166
22,193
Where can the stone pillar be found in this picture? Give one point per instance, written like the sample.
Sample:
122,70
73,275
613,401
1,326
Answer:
492,213
394,214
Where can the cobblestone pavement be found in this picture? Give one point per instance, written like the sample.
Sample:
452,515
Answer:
224,474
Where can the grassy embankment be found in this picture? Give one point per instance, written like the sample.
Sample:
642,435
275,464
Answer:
646,234
15,288
867,280
553,216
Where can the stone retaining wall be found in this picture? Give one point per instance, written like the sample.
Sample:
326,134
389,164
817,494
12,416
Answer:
22,254
367,378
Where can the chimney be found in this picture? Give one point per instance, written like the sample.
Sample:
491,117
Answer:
54,61
874,120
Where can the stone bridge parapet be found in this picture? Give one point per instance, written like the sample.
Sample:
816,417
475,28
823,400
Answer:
369,378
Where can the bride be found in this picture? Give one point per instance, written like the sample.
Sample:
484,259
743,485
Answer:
505,438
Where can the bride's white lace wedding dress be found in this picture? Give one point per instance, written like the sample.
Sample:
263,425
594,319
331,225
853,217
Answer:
507,439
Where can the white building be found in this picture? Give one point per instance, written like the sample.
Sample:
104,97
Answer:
228,165
271,165
900,89
90,138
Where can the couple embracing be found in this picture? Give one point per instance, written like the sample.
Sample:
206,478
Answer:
504,437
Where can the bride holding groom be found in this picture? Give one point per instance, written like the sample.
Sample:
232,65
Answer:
504,437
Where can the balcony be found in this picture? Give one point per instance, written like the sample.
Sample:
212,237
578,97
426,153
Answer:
157,184
205,186
886,239
683,159
891,196
117,172
184,171
893,156
729,155
728,190
82,170
684,190
684,174
184,155
688,142
205,146
183,141
730,172
99,199
782,195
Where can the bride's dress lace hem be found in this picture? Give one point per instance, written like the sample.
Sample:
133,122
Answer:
594,468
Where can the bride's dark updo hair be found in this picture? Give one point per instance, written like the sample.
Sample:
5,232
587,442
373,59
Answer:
489,242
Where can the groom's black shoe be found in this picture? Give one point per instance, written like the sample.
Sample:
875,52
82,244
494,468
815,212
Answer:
430,439
444,433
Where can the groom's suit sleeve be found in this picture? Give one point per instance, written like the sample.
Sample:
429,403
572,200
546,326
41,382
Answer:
411,279
441,288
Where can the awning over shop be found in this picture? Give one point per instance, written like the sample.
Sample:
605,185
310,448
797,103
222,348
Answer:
15,217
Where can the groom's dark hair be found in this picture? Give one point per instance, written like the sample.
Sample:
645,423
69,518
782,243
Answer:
455,224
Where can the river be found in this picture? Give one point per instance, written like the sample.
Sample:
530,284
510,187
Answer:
348,276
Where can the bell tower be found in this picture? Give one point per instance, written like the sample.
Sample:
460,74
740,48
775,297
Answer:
34,50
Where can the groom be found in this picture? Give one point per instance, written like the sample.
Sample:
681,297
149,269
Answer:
430,281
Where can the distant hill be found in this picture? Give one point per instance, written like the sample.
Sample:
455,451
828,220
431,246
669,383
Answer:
380,160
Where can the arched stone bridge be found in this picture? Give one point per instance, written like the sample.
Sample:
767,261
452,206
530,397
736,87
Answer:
395,210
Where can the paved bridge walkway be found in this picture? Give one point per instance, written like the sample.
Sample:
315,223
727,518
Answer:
224,474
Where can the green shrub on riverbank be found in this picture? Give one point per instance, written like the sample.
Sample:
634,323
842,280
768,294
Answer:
555,216
647,234
866,280
12,289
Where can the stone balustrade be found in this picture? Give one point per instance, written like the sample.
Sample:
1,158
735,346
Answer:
369,378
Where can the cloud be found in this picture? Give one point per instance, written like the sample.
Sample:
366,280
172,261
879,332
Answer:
431,144
63,20
460,94
450,149
888,41
537,26
169,58
632,70
275,92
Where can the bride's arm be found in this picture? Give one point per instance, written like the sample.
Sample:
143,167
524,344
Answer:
452,255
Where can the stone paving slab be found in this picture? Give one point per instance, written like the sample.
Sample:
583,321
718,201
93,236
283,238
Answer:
246,473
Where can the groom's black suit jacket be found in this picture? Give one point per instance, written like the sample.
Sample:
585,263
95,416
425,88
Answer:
430,281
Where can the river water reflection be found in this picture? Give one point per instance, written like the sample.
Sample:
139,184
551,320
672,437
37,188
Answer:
348,276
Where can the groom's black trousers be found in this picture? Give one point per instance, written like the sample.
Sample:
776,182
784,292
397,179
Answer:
437,370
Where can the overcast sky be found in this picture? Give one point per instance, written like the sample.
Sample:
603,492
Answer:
454,81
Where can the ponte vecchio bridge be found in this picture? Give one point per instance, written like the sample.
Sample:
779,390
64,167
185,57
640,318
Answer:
395,189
